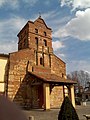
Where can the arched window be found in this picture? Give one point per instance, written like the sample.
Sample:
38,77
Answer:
45,34
36,30
45,43
41,61
36,40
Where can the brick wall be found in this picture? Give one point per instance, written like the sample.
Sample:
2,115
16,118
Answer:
20,62
56,96
58,67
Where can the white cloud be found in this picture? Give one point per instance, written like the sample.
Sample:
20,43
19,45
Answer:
30,2
57,45
47,2
61,55
8,47
16,3
60,33
12,24
8,33
48,14
78,27
76,3
12,3
78,65
2,2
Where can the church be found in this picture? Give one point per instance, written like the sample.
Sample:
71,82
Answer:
33,76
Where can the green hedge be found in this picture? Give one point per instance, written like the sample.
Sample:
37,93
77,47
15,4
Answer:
67,111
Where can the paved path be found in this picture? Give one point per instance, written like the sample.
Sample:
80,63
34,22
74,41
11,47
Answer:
52,114
81,110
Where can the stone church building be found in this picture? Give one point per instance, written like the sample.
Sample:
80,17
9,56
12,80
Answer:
34,76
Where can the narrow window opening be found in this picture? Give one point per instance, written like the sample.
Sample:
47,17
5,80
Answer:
45,34
41,61
36,30
36,40
45,43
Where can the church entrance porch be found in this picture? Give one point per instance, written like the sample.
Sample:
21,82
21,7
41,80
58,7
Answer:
47,93
38,91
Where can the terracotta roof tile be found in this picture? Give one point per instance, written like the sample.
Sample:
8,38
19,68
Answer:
52,78
4,55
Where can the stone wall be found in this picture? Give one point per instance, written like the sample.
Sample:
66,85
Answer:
41,69
23,38
20,62
58,67
56,96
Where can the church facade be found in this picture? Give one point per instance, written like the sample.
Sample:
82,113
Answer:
36,77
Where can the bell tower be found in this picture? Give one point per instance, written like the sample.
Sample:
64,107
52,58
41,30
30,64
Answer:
37,36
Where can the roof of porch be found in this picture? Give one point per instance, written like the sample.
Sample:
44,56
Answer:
52,78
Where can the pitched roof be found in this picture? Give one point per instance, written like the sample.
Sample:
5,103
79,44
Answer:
52,78
4,55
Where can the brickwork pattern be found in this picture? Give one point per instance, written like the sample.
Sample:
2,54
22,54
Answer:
27,59
58,67
56,97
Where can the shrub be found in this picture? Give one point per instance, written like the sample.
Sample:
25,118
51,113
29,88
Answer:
67,111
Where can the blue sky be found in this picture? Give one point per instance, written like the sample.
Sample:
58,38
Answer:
69,20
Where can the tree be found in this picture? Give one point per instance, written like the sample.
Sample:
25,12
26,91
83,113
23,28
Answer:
67,111
82,78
